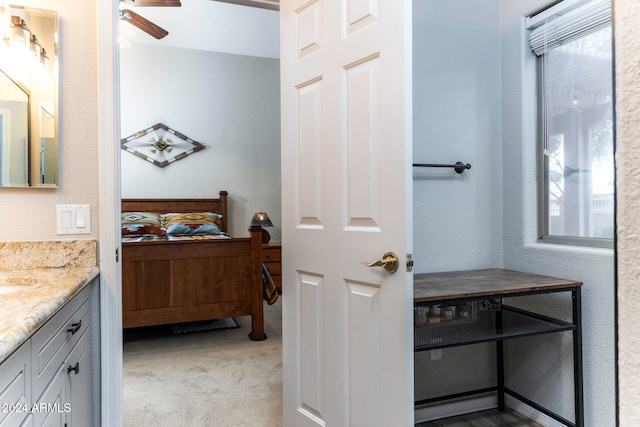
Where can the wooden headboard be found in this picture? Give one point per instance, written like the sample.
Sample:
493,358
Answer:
180,206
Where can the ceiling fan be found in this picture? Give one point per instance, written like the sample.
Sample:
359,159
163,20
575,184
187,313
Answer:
263,4
142,23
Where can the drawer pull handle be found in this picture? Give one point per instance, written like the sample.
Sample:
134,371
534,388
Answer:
75,369
75,327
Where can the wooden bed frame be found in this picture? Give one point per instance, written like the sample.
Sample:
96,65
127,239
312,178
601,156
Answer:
167,282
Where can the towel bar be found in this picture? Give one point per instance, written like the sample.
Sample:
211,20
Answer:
459,167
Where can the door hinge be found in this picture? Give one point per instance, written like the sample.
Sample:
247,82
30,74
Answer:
117,254
409,263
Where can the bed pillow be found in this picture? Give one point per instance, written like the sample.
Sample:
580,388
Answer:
138,223
191,223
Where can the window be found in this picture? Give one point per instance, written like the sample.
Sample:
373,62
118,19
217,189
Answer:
575,114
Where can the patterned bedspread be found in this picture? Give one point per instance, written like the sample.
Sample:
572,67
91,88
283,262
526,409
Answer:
170,238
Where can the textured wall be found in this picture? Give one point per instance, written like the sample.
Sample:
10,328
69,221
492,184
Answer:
230,103
30,214
457,218
627,20
474,100
456,104
549,354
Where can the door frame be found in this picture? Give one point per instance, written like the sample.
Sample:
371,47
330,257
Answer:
4,144
109,200
111,395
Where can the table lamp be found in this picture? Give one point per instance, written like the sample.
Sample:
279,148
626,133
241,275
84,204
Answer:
262,219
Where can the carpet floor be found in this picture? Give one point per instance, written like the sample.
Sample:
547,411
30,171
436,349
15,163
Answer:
204,379
221,378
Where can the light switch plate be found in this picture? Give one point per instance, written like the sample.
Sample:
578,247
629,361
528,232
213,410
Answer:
73,219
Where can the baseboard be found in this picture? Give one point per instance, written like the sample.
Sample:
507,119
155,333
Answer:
531,413
482,403
452,409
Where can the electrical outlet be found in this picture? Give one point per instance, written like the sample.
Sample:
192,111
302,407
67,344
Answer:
437,353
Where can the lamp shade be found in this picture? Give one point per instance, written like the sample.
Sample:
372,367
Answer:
261,219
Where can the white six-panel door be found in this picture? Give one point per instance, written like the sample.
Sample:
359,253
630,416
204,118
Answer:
346,192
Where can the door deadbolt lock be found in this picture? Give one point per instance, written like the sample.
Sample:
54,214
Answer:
389,262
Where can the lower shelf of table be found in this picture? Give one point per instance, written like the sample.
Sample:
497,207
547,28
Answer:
507,323
501,390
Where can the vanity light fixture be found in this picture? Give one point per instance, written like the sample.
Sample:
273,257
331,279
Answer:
36,49
44,59
20,36
24,57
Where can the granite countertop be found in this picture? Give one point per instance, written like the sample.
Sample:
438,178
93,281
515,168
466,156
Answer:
43,292
48,274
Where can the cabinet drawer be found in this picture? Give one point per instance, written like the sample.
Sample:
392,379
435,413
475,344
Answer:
15,387
271,254
275,268
52,343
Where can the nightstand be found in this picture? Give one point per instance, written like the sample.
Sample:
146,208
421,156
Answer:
272,257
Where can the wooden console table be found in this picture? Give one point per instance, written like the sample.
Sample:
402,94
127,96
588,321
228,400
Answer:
466,307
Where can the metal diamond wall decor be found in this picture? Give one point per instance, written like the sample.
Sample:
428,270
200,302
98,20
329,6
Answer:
160,145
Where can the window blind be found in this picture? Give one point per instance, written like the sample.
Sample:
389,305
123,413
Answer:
565,27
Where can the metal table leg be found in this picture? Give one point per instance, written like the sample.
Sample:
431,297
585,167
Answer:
577,356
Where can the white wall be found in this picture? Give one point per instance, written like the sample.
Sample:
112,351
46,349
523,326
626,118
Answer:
594,267
474,101
456,81
457,218
30,214
229,103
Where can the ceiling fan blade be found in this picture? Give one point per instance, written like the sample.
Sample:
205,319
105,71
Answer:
262,4
144,24
159,3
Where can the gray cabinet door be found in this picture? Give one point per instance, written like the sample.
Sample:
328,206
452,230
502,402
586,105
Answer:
52,407
80,373
15,387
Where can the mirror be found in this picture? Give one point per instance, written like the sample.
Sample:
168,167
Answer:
28,97
14,133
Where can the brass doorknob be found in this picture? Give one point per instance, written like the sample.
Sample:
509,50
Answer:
389,262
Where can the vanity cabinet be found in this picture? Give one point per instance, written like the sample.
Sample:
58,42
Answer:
52,378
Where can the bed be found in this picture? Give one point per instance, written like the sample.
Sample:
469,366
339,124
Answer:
173,277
